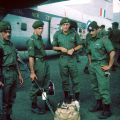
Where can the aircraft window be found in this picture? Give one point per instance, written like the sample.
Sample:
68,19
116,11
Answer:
23,26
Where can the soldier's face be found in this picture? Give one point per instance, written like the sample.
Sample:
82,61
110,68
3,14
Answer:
65,27
6,34
39,31
93,33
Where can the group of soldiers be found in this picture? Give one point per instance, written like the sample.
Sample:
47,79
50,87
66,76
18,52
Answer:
67,42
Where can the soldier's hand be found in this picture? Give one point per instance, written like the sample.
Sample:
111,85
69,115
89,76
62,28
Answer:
105,68
70,52
64,50
21,79
1,84
33,76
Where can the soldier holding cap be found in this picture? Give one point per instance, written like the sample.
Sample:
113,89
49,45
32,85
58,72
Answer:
39,69
67,42
10,69
101,57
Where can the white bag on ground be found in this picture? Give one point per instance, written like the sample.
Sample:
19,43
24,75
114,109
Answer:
68,112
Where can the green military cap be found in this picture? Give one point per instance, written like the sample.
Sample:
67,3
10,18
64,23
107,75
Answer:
4,25
93,25
65,20
37,24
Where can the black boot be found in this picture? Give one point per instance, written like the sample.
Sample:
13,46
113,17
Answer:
46,106
97,107
67,98
37,109
77,96
106,112
86,71
51,89
8,117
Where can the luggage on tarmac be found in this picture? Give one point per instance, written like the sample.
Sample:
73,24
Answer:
67,112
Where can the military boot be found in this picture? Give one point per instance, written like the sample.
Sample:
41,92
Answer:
86,71
106,112
77,96
77,100
97,107
37,109
6,113
67,98
8,117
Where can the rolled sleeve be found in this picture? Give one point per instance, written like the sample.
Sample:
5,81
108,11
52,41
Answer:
108,45
31,52
55,40
78,40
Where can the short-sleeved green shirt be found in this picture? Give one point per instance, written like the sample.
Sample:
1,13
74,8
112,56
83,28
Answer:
10,53
99,48
68,41
36,47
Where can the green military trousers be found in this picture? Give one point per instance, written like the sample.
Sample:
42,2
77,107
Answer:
10,81
69,70
43,74
99,82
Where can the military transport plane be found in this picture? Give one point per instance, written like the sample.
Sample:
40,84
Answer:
21,18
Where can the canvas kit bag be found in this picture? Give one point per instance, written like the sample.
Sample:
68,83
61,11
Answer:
68,112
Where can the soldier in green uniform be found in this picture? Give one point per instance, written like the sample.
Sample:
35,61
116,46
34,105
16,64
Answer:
101,57
102,31
39,69
67,42
115,38
88,36
9,69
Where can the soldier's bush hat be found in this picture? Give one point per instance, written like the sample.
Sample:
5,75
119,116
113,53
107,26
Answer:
37,24
4,25
65,20
93,25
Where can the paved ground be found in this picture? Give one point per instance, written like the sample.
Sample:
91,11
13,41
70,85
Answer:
21,109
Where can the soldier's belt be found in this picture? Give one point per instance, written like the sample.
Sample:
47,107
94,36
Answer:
41,59
69,56
10,67
98,61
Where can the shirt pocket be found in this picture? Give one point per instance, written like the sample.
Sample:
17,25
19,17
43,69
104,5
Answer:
99,48
10,56
37,45
72,39
7,52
